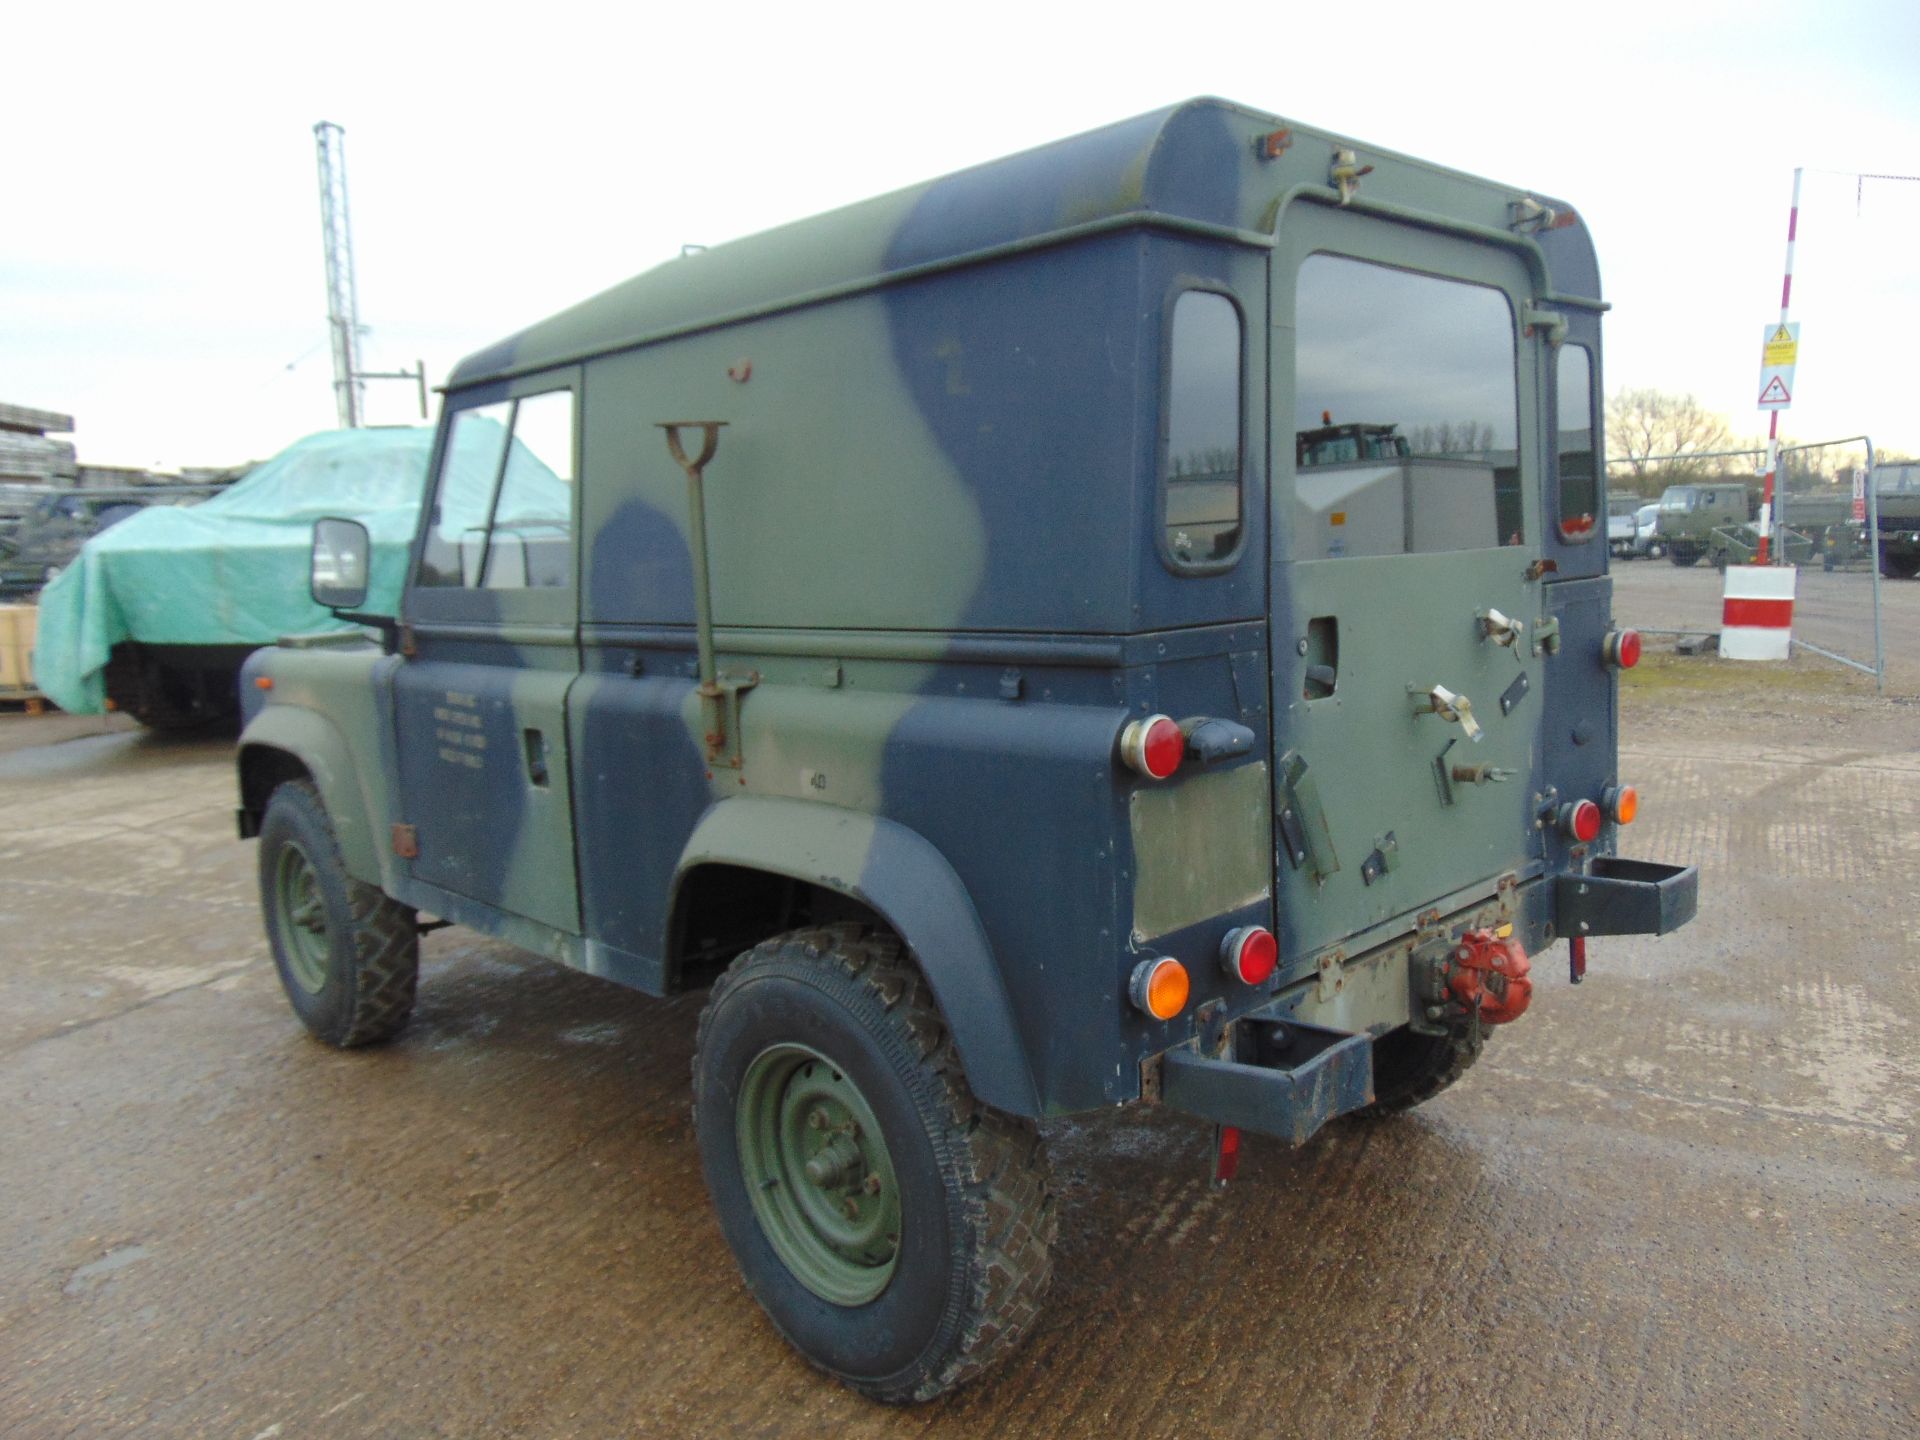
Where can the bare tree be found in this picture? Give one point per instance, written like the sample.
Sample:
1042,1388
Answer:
1469,436
1645,425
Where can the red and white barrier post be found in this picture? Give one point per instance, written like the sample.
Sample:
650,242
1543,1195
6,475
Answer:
1756,615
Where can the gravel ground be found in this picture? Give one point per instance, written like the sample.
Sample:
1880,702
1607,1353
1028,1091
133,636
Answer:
1832,609
1678,1201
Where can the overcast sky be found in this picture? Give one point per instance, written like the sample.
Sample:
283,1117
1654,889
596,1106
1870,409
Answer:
160,261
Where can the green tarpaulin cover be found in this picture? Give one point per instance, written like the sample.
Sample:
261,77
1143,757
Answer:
233,569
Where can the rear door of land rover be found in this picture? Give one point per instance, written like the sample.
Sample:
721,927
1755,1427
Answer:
1407,686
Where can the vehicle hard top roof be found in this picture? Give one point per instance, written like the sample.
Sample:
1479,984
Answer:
1191,167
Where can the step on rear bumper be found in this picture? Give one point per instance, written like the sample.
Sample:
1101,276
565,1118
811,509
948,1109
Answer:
1626,897
1290,1102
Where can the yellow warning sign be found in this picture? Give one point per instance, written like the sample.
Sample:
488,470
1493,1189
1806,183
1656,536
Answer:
1783,346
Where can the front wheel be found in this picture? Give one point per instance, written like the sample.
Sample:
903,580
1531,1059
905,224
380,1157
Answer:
895,1229
348,955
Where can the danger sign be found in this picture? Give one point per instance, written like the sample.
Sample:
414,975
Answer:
1779,351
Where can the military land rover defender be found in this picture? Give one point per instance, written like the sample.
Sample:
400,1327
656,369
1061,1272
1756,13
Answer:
916,628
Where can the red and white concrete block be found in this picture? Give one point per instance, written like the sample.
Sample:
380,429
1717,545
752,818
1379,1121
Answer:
1756,613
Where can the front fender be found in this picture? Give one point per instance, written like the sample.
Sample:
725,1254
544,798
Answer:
319,745
897,873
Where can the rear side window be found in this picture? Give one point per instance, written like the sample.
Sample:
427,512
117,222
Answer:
1201,468
1579,475
502,516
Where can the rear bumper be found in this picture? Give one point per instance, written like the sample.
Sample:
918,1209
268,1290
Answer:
1289,1101
1626,897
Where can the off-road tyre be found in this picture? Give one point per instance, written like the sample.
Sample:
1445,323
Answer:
145,692
1410,1068
353,982
1684,559
1899,567
976,1216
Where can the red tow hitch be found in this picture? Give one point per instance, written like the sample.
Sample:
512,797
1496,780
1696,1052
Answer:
1489,976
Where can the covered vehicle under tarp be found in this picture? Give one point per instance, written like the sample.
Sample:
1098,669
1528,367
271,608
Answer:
231,573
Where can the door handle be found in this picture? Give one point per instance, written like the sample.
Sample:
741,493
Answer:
1500,629
1456,709
535,745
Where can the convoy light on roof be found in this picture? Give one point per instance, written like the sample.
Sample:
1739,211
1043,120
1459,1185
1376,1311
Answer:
1159,987
1249,954
1621,648
1153,746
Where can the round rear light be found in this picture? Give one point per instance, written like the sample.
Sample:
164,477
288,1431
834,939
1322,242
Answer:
1159,987
1622,648
1250,954
1622,804
1581,820
1153,746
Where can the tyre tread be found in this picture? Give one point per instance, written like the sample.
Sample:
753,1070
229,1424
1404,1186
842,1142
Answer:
1007,1195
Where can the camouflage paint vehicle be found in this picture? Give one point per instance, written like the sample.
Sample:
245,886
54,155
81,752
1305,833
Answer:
913,625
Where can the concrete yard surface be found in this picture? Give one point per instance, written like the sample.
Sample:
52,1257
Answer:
1679,1200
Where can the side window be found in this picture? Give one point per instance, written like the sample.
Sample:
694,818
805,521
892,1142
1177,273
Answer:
457,527
530,544
502,515
1412,380
1201,469
1579,475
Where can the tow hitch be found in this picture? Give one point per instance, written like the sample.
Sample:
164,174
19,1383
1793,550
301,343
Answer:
1489,976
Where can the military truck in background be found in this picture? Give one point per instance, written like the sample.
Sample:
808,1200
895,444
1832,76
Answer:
1896,488
940,631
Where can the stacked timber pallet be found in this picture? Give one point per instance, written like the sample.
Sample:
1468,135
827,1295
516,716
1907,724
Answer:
17,623
28,452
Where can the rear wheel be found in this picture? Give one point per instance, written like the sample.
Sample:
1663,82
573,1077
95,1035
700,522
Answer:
895,1229
1683,558
1410,1068
348,955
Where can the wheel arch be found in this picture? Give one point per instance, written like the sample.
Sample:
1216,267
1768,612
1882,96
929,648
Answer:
285,742
901,879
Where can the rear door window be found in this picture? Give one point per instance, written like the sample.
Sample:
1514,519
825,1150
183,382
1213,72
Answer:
1424,371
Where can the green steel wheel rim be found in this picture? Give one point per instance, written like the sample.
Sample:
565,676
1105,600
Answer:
302,915
818,1174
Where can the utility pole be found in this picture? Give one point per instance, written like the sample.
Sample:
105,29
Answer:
343,301
343,304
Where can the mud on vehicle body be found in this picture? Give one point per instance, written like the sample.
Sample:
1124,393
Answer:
914,624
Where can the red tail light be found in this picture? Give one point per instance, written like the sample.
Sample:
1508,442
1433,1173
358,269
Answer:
1621,648
1250,954
1581,820
1153,746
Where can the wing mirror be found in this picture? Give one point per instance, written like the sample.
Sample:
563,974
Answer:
342,557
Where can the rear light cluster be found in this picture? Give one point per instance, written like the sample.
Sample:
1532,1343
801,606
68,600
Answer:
1153,746
1621,802
1621,649
1160,986
1581,819
1250,955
